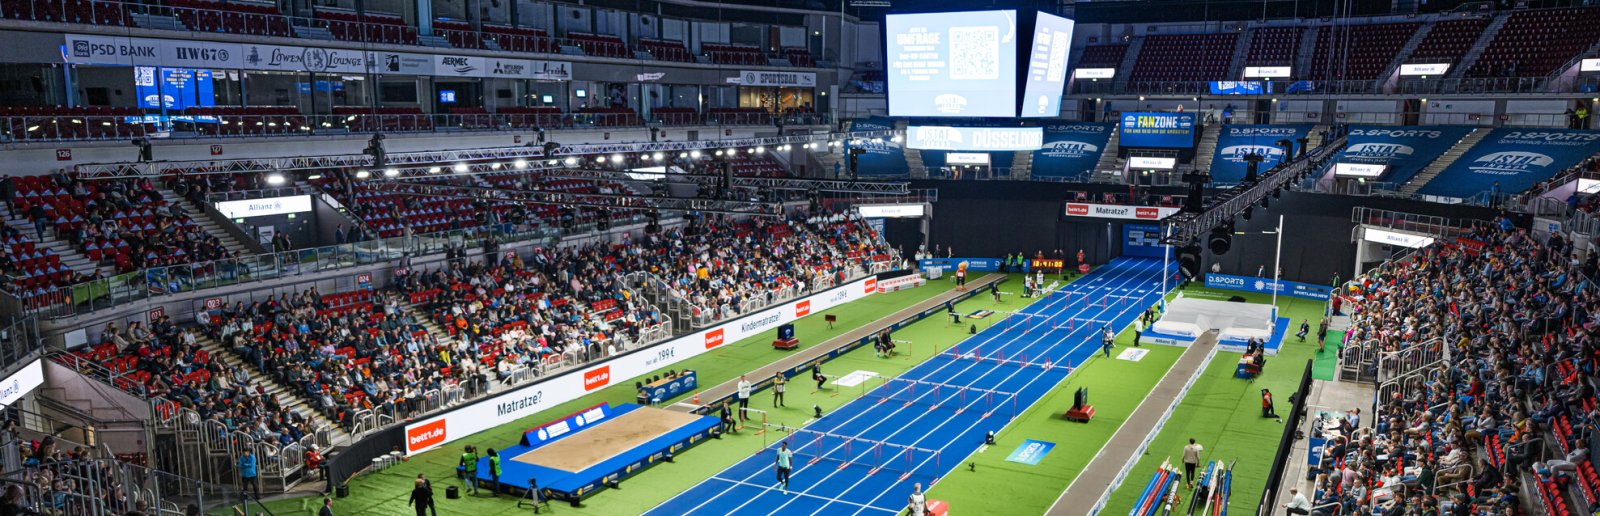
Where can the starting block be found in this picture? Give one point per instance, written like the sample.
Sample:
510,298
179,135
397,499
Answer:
1082,414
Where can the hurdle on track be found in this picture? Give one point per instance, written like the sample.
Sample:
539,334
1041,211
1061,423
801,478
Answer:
1003,300
1076,323
1121,303
906,392
999,356
763,421
1024,322
826,378
816,447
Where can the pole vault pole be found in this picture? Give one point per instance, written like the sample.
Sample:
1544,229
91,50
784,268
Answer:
1277,268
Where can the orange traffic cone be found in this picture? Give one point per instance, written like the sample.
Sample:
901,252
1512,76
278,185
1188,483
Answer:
696,398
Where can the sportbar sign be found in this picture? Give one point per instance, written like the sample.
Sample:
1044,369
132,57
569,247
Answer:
428,433
793,79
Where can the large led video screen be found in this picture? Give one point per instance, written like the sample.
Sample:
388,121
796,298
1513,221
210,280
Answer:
1047,66
952,64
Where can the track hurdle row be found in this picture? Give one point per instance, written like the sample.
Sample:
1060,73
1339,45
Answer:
904,391
816,447
1019,359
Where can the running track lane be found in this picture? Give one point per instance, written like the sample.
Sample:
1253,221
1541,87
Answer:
932,422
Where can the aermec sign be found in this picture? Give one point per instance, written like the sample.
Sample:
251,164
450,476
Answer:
1111,211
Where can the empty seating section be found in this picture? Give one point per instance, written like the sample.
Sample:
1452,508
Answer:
1185,57
547,116
1358,52
68,11
676,116
54,122
762,165
1536,43
473,118
261,19
371,28
389,214
31,269
363,119
1101,56
1274,46
664,50
600,45
460,35
513,39
236,121
799,57
740,116
1448,40
735,54
609,116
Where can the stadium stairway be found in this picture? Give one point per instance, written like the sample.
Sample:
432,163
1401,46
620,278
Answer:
1314,138
71,257
207,222
1129,58
337,436
1444,161
1386,77
1241,51
1207,149
1478,46
1308,48
1108,156
1022,166
914,162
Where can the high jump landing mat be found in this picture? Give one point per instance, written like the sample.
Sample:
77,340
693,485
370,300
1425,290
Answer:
577,455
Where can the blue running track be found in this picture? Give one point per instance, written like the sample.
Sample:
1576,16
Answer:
930,430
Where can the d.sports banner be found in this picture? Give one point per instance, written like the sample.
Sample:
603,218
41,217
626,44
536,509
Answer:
1516,158
1404,150
1266,286
1070,149
882,158
1237,141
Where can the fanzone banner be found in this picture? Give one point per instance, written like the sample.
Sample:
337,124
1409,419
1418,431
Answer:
1237,141
428,433
1404,150
1265,286
1157,130
1516,158
884,158
1069,150
1115,211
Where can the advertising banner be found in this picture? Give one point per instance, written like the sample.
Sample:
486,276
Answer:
974,138
125,51
1047,66
1235,142
1516,158
1241,88
1030,452
885,158
1266,286
562,427
21,382
668,389
1142,240
1157,130
1070,150
1403,150
950,264
1117,211
787,79
428,433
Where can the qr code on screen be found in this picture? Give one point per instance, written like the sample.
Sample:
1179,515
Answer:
975,53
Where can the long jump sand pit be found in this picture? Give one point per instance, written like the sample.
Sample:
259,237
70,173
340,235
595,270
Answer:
606,440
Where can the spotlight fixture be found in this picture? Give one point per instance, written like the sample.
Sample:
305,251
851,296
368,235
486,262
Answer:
275,179
760,150
694,153
600,159
571,161
495,166
657,156
433,170
461,167
363,174
617,158
521,163
389,172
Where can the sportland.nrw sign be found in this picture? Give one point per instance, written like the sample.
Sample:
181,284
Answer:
428,433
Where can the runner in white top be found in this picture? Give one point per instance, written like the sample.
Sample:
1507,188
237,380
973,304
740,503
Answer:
918,503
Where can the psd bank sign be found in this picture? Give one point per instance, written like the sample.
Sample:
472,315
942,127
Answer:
1510,163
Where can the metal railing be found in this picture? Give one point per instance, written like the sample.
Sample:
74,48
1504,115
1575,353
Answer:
161,124
99,487
1496,85
1414,222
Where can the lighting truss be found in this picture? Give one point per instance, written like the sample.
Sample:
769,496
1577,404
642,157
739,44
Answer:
823,185
572,199
442,158
1184,228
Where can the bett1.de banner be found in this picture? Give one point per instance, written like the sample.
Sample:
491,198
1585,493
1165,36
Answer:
1237,141
1517,158
882,158
1070,149
1405,150
428,433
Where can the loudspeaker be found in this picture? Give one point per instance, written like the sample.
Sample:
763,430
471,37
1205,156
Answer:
452,493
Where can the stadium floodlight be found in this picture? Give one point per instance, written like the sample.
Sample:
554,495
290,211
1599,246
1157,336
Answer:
617,158
461,167
362,174
719,152
275,179
495,165
694,153
390,172
572,160
521,163
599,159
760,150
657,156
433,170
